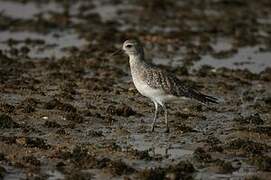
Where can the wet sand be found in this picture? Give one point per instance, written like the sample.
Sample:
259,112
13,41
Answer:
69,109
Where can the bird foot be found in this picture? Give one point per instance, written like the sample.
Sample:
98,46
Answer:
152,128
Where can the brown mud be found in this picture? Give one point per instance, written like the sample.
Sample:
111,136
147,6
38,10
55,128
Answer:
69,110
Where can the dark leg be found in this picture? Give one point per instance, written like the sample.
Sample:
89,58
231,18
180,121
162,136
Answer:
155,116
166,120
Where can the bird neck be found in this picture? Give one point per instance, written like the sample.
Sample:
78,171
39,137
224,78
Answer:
135,59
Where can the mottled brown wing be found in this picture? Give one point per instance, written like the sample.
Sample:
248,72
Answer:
160,79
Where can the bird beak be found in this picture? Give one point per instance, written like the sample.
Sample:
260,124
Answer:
116,52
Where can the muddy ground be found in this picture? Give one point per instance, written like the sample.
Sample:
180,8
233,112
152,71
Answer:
70,111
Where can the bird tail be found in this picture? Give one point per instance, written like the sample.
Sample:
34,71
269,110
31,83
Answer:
203,98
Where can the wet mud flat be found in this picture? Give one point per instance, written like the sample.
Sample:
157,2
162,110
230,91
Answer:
68,109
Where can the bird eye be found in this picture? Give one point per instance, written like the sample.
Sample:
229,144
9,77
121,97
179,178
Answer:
128,46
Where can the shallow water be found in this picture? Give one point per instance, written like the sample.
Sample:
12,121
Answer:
27,10
13,173
86,109
246,58
53,44
250,58
164,148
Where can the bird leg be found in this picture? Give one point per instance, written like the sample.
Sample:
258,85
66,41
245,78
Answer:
155,116
166,119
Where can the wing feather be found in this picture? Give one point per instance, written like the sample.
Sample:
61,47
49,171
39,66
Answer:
160,79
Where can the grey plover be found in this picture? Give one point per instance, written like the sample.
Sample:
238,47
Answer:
155,83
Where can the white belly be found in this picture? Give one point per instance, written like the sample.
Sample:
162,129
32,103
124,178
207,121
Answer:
157,95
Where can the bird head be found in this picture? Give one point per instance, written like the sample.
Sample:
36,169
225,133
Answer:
132,47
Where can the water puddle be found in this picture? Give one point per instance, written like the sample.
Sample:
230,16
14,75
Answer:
110,11
54,175
27,10
247,58
13,173
244,171
11,98
266,20
159,147
106,9
42,45
250,58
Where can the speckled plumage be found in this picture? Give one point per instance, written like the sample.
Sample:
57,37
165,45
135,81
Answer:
160,79
157,84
